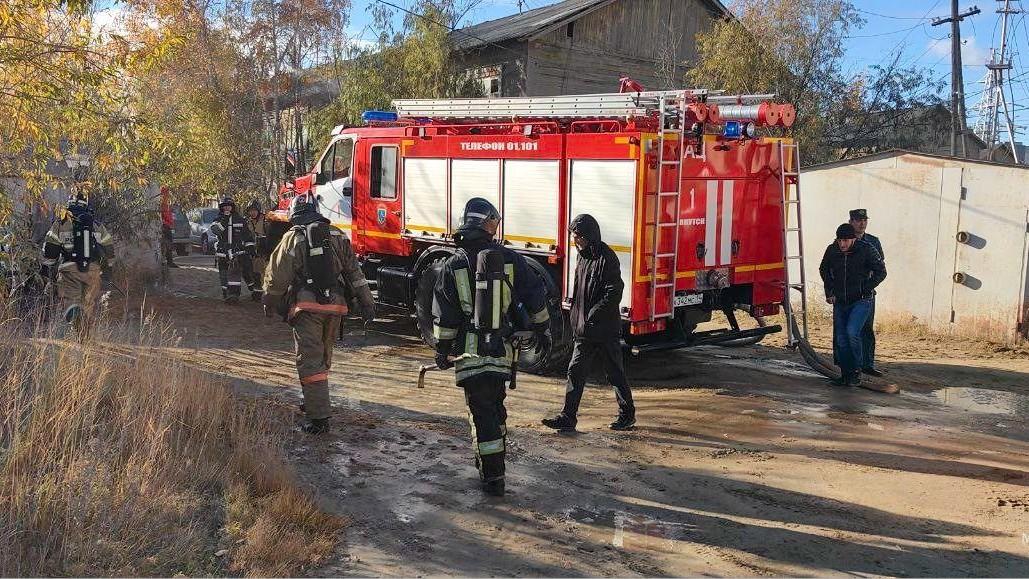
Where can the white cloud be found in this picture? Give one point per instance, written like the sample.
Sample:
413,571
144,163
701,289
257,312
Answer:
971,52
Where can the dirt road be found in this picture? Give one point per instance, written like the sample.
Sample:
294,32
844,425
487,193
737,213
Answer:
743,463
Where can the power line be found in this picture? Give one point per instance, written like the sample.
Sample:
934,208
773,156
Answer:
891,17
884,33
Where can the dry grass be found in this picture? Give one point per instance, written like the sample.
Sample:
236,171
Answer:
114,462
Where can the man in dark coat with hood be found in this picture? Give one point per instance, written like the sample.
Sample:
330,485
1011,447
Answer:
596,325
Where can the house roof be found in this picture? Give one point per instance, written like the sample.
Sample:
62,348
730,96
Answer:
531,22
898,152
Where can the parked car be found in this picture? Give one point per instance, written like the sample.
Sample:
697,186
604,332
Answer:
200,221
182,232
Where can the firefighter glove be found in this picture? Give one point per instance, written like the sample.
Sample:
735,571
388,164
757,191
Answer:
443,361
252,251
44,271
105,271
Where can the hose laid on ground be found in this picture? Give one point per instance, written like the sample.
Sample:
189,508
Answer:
813,358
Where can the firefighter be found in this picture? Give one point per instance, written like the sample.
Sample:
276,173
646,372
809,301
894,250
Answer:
859,219
167,230
474,328
82,251
308,277
258,227
233,250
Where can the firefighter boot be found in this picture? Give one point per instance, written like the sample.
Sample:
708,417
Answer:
316,426
494,487
561,423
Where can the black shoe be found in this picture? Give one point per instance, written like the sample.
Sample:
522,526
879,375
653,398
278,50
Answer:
560,423
854,379
624,422
872,372
842,381
172,265
494,488
316,426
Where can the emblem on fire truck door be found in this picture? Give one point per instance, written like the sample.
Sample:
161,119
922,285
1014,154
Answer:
380,214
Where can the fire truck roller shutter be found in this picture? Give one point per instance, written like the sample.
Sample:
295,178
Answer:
531,190
425,197
607,191
473,178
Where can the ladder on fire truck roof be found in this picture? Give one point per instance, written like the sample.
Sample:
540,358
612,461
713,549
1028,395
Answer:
605,105
789,161
672,128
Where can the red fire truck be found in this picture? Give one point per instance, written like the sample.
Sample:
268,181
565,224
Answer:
693,189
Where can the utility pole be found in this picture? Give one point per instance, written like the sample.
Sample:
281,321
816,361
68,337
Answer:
994,100
957,81
521,6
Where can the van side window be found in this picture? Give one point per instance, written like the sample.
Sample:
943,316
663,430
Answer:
384,173
325,170
342,157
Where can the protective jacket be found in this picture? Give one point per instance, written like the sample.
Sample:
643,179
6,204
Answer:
234,237
598,287
852,276
77,240
287,275
453,307
258,229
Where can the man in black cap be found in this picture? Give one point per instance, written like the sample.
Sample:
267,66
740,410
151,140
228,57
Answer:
859,219
850,272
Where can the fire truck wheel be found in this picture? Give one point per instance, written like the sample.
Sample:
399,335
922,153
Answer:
747,341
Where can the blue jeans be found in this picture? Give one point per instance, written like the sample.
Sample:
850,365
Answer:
868,340
848,321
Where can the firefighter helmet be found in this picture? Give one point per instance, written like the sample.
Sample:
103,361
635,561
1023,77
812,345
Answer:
303,209
255,204
477,212
227,201
78,200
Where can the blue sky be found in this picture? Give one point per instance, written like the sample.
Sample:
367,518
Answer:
891,25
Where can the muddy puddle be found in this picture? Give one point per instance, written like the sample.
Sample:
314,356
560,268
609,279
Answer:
980,400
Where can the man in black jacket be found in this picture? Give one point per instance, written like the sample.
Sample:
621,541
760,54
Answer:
850,273
596,326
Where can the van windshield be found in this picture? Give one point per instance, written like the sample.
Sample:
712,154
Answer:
208,215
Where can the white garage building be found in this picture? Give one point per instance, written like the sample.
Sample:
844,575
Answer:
955,233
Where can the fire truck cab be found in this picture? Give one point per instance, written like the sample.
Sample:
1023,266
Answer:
687,193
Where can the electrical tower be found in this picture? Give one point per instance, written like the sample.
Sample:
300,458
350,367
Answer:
994,102
958,127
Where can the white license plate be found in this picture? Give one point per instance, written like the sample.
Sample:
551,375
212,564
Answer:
689,300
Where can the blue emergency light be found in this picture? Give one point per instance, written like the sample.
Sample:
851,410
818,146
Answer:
733,129
379,117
